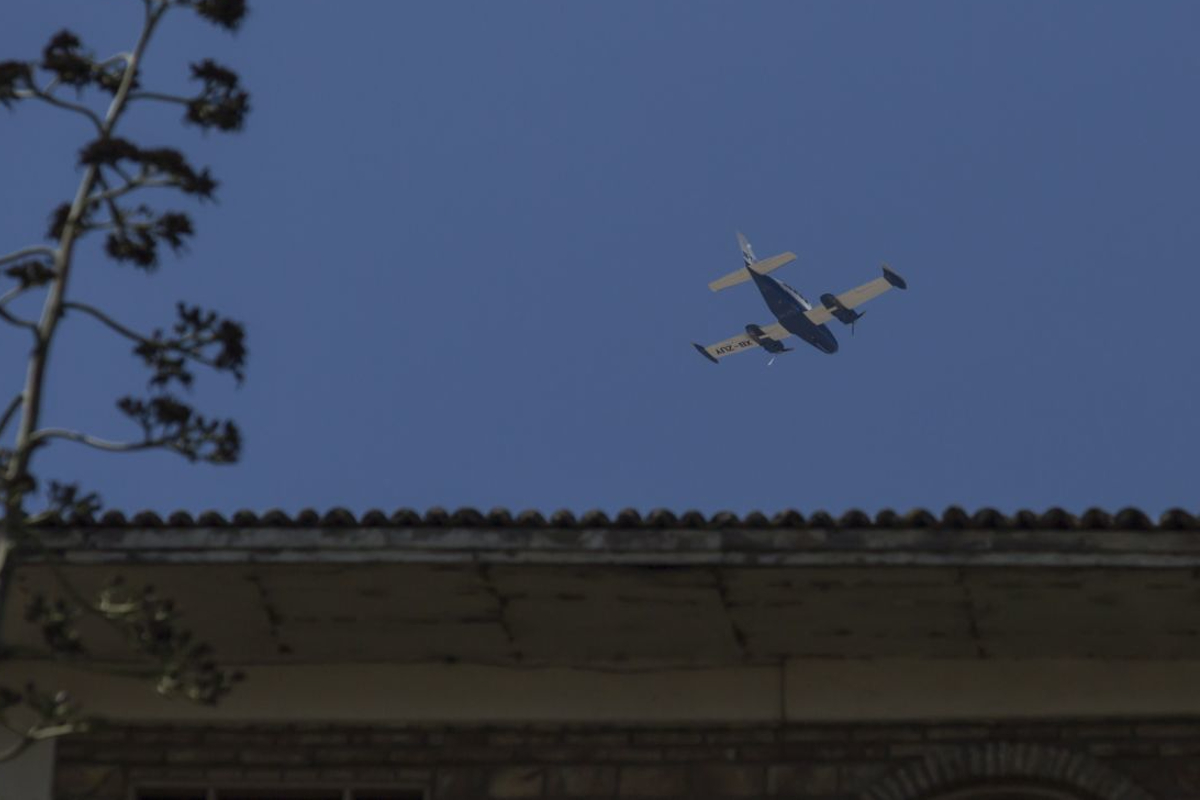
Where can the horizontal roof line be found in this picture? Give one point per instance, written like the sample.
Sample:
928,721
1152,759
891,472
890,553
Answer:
953,518
616,546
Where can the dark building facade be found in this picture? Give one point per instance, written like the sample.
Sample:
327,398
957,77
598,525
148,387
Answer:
1047,657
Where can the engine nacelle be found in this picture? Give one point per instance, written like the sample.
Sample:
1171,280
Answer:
765,342
846,316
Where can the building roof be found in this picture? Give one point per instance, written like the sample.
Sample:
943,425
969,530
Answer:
684,589
1127,539
951,519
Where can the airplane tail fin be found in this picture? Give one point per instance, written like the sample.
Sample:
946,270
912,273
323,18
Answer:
747,250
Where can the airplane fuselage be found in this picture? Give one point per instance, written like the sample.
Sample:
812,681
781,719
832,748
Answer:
789,306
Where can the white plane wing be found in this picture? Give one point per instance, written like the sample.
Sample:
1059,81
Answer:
856,296
736,344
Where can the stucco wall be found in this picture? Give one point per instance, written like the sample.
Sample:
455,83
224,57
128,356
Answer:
28,776
1127,759
808,690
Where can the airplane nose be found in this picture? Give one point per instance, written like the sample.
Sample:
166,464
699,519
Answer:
831,345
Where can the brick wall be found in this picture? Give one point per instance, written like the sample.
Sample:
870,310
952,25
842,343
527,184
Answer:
1130,760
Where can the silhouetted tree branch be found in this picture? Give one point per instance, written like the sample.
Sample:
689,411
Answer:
113,170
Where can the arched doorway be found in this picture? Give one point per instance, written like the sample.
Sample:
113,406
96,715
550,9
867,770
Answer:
1006,771
1010,791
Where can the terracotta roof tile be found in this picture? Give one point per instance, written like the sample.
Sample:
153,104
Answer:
953,518
1178,519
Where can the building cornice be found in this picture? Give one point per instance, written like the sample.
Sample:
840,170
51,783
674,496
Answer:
546,543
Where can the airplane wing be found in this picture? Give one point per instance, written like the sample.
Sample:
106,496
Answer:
856,296
761,267
735,344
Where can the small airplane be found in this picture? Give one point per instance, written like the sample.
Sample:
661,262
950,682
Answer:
795,314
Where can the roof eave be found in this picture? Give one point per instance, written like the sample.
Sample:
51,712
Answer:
544,544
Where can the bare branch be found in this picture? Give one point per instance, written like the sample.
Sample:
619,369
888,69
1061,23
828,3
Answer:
71,590
40,94
8,412
13,319
37,734
118,219
22,744
91,441
124,175
126,57
165,98
128,333
185,348
130,186
5,724
11,295
35,250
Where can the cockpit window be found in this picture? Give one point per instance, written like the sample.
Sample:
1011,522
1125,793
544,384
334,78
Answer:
798,296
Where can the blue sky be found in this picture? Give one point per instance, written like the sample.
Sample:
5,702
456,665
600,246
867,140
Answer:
471,243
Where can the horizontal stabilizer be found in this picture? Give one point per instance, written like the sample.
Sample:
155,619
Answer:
761,267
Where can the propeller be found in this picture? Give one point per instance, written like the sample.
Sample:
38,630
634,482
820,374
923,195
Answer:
861,314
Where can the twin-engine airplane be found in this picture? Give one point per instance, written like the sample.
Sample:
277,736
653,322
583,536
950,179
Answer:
795,314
